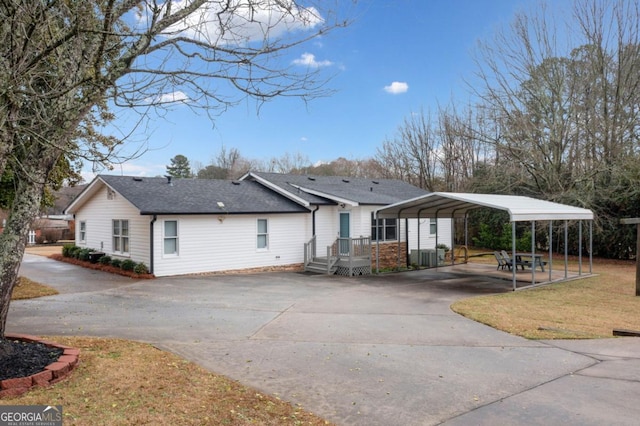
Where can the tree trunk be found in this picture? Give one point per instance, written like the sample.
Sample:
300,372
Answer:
14,237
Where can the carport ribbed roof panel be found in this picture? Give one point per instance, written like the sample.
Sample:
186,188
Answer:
520,209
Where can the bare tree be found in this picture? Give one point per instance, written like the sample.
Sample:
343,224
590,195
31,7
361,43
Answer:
412,155
566,102
62,63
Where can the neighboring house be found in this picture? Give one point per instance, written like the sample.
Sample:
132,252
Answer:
263,221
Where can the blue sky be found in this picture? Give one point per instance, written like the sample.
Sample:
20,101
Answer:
421,48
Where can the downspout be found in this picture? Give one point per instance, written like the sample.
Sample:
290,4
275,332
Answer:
406,239
377,244
151,243
313,220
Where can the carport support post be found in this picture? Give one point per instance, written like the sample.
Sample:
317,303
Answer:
550,249
566,249
580,247
635,221
513,254
533,250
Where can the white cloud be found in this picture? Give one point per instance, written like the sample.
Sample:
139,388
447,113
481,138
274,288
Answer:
309,60
397,87
242,23
177,96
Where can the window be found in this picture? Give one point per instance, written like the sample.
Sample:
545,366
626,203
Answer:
387,229
83,231
171,237
263,234
433,226
121,236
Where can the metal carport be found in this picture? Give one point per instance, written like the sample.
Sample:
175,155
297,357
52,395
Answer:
521,209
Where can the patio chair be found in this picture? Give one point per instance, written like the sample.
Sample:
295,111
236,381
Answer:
501,261
512,262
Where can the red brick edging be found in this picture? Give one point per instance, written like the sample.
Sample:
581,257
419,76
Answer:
52,373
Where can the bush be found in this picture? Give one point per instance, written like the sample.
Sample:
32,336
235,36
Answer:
83,254
67,249
141,268
74,251
105,260
51,235
128,265
116,263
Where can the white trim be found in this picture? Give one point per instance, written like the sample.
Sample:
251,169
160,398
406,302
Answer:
177,238
326,195
258,234
82,231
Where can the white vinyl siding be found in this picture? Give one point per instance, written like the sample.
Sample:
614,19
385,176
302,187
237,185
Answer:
99,212
207,244
170,238
427,239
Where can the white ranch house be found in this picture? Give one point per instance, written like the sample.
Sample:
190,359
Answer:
264,221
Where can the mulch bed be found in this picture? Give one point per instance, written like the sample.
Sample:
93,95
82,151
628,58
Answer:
100,267
22,359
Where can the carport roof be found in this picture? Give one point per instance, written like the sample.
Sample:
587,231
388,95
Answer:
520,209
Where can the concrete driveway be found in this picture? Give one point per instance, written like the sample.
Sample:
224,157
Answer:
379,350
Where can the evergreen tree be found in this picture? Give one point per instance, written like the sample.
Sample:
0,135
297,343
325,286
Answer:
179,167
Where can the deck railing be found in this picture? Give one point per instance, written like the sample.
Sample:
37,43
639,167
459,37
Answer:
345,250
309,251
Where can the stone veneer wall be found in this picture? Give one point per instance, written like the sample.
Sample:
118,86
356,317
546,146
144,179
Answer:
389,255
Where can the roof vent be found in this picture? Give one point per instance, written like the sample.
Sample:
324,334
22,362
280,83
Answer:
375,182
137,179
345,180
169,180
311,178
235,182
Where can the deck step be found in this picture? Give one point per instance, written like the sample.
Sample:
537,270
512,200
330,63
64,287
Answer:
319,267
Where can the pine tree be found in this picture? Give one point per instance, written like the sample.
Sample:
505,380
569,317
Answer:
179,167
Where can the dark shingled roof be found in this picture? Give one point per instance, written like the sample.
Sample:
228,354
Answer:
360,190
199,196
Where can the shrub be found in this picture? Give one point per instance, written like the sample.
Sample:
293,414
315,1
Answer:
51,235
116,262
67,249
83,254
74,251
141,268
105,260
128,265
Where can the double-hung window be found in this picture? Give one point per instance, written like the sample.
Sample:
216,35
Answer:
384,229
120,236
433,226
83,231
171,237
263,234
